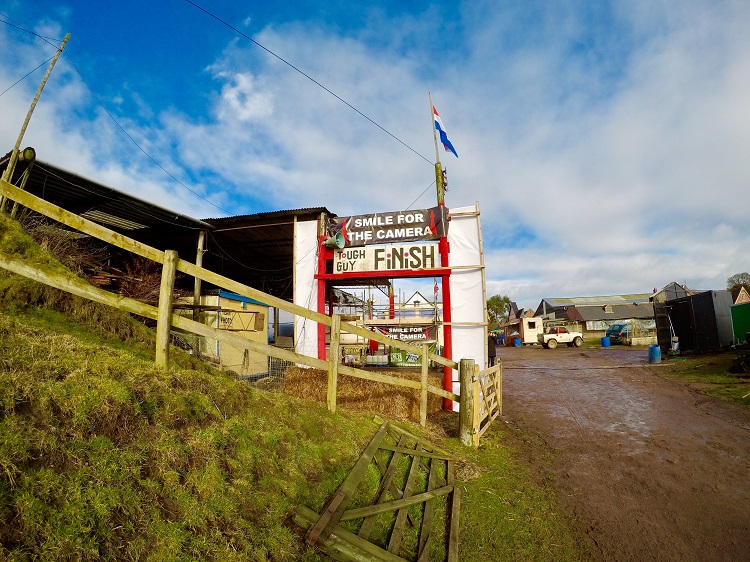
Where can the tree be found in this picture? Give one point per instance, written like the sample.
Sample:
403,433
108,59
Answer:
498,308
739,279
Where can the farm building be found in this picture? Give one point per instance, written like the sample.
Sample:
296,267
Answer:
594,315
255,250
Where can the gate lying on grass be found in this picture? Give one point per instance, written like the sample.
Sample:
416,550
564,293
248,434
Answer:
166,320
414,476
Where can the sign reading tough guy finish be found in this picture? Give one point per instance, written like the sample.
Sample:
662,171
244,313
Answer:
387,258
400,226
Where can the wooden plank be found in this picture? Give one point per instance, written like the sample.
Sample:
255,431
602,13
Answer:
444,393
377,377
423,550
493,369
455,505
243,343
395,504
500,390
421,453
164,318
341,544
84,290
314,534
398,527
65,282
79,223
427,445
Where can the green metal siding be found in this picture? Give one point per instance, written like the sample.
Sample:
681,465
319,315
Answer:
741,322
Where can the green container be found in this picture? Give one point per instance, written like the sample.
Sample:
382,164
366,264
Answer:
741,322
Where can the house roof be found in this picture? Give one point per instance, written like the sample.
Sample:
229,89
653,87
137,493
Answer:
594,301
422,299
556,304
616,312
256,250
739,294
104,205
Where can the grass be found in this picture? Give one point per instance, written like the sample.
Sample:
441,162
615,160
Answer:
709,373
103,457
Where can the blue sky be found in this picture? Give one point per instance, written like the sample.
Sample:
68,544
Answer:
606,142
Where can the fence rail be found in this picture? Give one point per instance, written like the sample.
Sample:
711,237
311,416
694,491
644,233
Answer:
166,319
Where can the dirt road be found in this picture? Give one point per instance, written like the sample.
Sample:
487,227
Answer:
649,469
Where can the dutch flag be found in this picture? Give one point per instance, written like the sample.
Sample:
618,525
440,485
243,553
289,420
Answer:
443,135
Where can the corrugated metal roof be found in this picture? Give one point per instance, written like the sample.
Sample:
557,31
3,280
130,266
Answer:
307,211
599,300
256,250
611,312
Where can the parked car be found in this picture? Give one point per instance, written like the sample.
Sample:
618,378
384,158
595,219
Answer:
560,334
618,333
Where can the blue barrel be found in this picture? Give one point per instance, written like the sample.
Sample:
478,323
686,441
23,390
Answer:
517,342
654,354
605,341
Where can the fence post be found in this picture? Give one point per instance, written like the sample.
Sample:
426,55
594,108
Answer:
164,318
475,421
466,403
333,362
423,388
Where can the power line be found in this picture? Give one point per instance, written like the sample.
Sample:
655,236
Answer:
112,117
26,76
21,28
163,169
313,80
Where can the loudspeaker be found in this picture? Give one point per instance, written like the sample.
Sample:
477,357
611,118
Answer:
335,241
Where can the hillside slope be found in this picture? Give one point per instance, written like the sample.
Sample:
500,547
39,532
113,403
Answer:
104,457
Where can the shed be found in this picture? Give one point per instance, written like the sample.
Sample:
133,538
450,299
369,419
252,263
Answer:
701,322
741,323
240,315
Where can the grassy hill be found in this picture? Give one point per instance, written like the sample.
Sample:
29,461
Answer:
103,457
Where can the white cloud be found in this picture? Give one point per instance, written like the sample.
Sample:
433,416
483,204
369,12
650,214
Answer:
606,144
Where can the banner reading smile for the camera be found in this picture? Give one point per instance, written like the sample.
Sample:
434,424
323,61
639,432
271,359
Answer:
391,257
400,226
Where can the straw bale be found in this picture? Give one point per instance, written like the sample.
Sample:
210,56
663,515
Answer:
364,395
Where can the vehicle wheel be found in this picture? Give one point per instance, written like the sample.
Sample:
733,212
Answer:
552,344
578,342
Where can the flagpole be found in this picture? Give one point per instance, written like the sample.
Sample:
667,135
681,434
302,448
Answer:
434,129
445,280
439,181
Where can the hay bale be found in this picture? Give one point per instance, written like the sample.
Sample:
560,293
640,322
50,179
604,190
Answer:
364,395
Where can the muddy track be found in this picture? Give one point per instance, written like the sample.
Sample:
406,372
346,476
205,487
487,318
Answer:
649,469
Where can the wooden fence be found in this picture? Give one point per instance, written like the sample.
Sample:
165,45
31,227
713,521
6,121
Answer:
166,320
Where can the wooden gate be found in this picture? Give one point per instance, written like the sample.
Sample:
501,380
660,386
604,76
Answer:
488,399
414,512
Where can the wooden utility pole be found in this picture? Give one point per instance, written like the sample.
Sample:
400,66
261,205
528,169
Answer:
8,174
